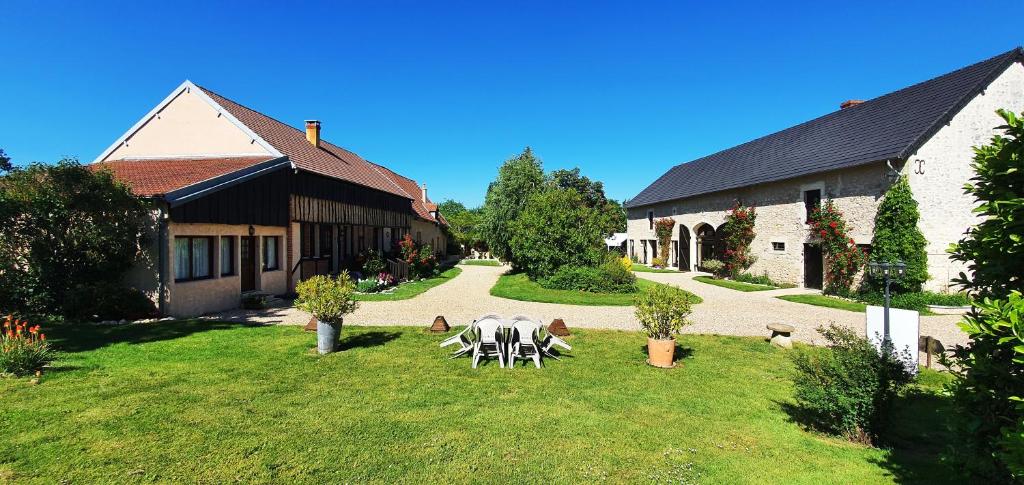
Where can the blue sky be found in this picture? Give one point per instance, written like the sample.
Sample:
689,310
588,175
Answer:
444,92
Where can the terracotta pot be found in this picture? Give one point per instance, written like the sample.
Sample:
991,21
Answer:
661,352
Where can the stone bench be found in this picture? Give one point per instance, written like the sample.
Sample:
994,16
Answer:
781,335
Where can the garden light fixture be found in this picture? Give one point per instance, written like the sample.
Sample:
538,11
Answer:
888,271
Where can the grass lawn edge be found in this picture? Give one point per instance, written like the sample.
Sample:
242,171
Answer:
519,287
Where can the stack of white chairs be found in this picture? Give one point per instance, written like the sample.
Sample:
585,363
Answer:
485,338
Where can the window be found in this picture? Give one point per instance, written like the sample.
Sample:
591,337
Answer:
778,246
654,248
812,200
227,255
270,253
306,236
419,237
650,219
865,248
325,240
193,257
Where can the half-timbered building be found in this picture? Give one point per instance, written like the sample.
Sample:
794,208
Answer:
244,203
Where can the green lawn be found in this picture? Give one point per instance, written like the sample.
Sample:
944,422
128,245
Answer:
733,285
826,301
480,262
519,287
221,402
405,291
639,268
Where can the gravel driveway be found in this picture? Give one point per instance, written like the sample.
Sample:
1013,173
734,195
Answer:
723,312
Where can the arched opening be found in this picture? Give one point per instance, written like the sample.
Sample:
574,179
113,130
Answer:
683,250
720,235
707,243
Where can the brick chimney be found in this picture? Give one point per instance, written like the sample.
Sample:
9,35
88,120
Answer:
313,132
849,103
424,192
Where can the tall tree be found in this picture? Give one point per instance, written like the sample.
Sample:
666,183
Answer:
897,237
463,223
555,229
518,178
612,218
5,162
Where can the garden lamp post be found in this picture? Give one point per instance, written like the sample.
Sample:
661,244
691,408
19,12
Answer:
887,271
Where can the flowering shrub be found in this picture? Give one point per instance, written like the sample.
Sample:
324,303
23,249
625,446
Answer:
843,259
626,263
383,281
714,267
23,348
373,262
663,229
738,234
421,259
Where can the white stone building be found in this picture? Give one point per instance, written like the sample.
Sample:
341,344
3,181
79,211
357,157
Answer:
925,131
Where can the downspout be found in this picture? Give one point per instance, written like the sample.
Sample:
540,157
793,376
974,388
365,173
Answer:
162,259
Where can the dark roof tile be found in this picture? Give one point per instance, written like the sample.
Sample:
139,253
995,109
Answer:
892,126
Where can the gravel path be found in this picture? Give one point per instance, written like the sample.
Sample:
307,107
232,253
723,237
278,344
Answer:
723,312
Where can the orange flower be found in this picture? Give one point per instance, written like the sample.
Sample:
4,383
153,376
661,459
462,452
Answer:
42,336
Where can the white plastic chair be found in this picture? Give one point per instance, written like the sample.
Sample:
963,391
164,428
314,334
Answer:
490,341
551,341
465,338
525,333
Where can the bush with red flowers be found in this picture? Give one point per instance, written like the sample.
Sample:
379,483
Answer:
738,233
843,259
23,348
421,259
663,229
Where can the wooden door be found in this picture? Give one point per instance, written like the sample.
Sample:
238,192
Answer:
684,248
247,271
814,267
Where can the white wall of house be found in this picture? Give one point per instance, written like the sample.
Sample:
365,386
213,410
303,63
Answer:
939,170
188,126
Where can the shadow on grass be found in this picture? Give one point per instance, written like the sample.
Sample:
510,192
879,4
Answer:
82,337
915,438
368,339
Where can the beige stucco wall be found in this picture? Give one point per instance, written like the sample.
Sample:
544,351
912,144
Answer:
187,126
191,298
938,182
780,216
430,233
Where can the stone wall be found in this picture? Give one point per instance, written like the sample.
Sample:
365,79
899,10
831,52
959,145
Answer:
780,216
939,170
937,173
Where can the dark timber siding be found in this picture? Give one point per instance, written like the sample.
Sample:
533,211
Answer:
264,201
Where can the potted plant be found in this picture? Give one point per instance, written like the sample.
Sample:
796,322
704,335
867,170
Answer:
662,311
328,300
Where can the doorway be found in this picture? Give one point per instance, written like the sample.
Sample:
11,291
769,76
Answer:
814,267
247,251
684,249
